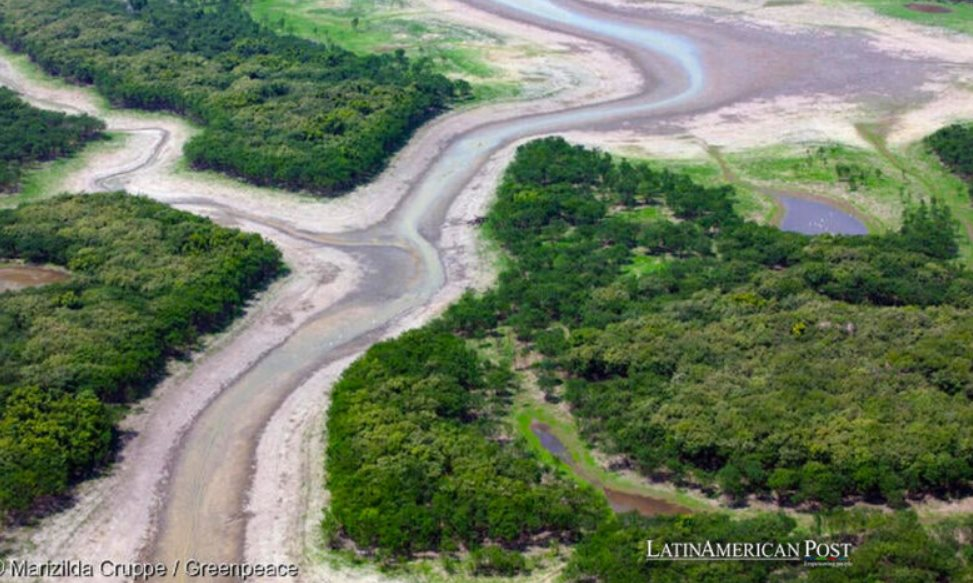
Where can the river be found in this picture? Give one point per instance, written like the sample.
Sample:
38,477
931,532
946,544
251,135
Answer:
204,511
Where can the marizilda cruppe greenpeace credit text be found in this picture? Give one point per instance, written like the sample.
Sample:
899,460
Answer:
14,569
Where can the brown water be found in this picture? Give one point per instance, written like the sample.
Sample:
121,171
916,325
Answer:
17,277
928,8
619,501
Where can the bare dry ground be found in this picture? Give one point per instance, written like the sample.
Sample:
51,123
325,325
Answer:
944,97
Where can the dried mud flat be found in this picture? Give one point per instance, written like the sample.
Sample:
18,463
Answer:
748,101
18,277
923,79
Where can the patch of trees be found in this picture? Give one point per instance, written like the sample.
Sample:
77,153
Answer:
416,462
33,135
757,361
277,110
893,548
146,282
806,369
954,146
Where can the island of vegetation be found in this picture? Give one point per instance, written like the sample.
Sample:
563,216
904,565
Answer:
414,460
146,282
32,135
954,146
277,110
704,349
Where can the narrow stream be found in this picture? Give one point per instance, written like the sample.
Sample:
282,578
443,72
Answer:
619,501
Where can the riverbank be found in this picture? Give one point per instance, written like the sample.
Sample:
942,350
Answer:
113,516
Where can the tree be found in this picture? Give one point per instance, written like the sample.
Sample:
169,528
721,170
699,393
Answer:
730,479
276,109
930,229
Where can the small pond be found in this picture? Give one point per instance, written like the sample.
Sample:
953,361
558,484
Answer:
813,217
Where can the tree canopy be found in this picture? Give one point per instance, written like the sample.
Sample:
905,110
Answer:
954,146
765,362
751,361
414,461
146,281
892,548
277,110
33,135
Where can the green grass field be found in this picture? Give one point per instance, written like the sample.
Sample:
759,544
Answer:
367,26
527,411
959,19
878,182
46,179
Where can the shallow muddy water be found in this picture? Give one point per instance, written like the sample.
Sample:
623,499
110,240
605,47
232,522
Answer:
619,501
813,217
18,277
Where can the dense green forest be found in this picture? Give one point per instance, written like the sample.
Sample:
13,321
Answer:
766,362
277,110
33,135
806,370
415,464
146,281
954,146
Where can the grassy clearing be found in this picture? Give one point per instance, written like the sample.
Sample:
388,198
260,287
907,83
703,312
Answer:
645,214
563,427
947,186
47,179
528,408
959,19
877,182
861,178
750,202
643,265
927,176
367,26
